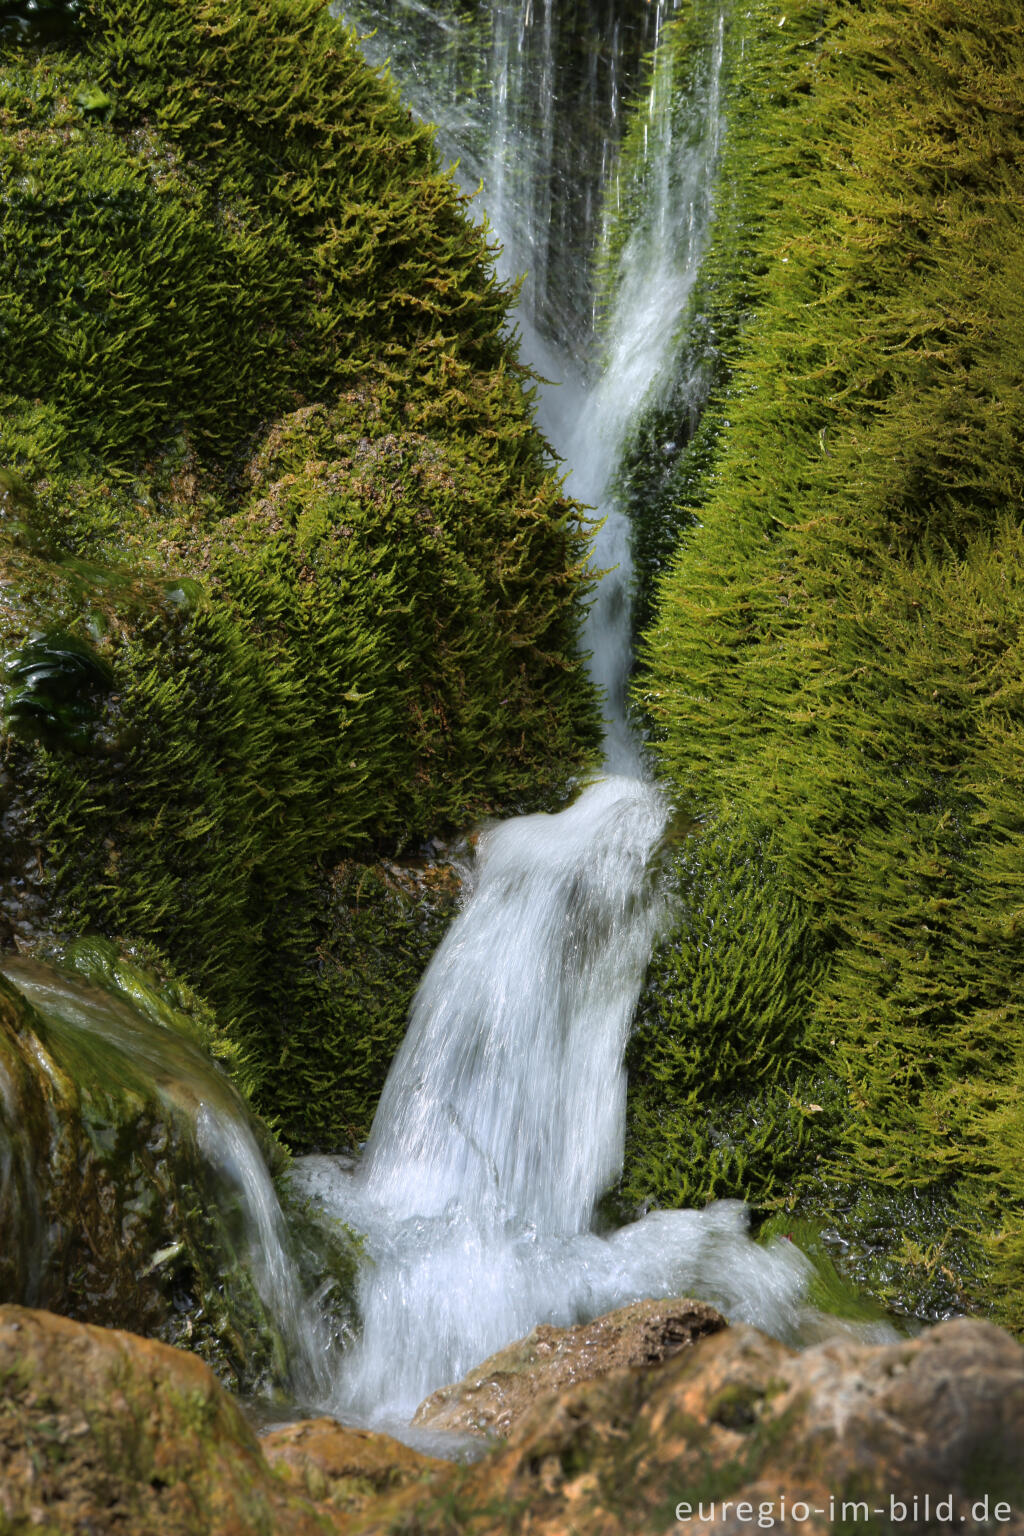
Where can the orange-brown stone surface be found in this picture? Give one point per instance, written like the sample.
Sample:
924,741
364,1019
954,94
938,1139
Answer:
496,1395
739,1430
104,1432
347,1467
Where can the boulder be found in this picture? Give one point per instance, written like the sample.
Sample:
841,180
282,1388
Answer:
739,1433
103,1431
495,1396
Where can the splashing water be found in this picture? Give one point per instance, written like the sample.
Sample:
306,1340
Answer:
503,1118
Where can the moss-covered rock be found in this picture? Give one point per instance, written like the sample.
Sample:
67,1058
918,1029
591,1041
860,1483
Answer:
288,576
122,1199
834,667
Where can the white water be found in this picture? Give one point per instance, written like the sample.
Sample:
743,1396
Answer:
502,1121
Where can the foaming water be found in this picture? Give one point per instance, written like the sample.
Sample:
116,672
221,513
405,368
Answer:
440,1293
503,1118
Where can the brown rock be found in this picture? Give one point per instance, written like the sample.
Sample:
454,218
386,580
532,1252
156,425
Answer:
101,1431
348,1467
496,1395
741,1429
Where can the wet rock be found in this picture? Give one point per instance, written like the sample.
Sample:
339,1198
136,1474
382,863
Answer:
122,1198
495,1396
347,1467
101,1431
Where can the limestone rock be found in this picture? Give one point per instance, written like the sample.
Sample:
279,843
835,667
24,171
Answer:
495,1395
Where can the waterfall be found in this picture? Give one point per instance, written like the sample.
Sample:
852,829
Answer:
503,1118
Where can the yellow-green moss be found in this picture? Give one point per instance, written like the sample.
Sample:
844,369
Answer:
835,657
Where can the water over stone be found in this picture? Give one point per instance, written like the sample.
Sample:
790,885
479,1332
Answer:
95,1089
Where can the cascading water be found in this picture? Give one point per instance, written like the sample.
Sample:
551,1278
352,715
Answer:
503,1118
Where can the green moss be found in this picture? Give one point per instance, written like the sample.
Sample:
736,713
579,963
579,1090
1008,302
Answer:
721,1101
271,462
261,218
145,981
835,657
380,925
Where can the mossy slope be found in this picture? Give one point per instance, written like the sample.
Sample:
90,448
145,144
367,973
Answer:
290,579
834,668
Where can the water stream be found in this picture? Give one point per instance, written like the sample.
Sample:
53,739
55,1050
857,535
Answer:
503,1118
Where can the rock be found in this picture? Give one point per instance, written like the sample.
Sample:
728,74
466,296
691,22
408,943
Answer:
756,1435
103,1431
347,1467
495,1396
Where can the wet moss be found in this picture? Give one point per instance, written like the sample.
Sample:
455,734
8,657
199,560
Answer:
722,1097
52,689
110,1209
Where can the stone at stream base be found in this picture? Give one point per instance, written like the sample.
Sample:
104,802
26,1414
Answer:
749,1435
102,1432
347,1468
497,1394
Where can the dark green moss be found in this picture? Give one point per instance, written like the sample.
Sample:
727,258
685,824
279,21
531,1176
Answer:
721,1101
272,462
52,688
